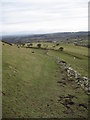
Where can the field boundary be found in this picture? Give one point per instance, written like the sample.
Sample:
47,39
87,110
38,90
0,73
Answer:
80,80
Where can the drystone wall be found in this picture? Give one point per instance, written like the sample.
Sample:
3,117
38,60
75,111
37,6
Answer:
82,81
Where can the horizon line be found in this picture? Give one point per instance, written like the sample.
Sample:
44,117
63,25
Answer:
25,34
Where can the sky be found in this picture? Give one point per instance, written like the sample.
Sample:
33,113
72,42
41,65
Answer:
43,16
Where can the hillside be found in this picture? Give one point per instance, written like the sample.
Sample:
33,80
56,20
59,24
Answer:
36,86
66,36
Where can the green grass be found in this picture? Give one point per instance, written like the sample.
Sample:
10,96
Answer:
31,88
67,47
80,63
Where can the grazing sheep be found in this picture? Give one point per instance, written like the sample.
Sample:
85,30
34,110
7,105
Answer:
74,58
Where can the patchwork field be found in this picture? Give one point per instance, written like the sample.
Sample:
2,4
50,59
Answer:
36,86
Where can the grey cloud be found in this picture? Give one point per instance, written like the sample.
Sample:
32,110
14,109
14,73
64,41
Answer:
21,12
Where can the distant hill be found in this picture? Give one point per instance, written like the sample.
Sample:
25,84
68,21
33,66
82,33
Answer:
64,36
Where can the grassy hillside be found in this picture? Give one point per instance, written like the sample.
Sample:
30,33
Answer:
79,37
80,63
35,86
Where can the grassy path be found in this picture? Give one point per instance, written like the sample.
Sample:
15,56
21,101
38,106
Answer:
80,63
35,86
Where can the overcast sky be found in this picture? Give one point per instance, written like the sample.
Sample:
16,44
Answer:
43,16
